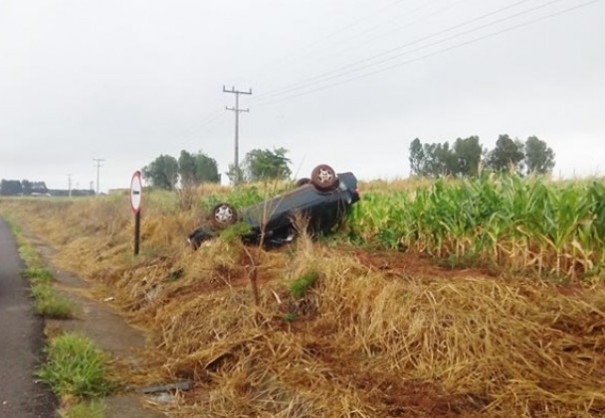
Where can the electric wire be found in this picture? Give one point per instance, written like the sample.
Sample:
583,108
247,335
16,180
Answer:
196,129
282,62
367,62
342,49
209,122
432,54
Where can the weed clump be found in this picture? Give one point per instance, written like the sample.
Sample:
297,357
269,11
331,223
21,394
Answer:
300,286
92,409
37,274
75,368
50,303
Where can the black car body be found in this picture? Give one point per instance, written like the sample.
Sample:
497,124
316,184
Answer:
322,202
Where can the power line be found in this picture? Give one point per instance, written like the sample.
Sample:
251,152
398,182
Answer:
187,134
194,129
282,61
318,83
367,62
190,133
339,72
441,51
342,49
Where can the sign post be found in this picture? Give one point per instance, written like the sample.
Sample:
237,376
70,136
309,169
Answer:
136,189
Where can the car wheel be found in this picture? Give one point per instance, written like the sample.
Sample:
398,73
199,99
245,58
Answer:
302,182
223,215
324,177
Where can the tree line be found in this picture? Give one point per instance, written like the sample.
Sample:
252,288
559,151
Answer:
22,188
466,157
36,188
191,169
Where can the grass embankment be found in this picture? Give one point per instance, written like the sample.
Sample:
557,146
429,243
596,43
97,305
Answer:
75,369
338,331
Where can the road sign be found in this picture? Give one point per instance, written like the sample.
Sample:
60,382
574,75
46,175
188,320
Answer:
136,188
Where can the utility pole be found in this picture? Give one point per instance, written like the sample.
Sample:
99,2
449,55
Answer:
98,162
237,111
69,185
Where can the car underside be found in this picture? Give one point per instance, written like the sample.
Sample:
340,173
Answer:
315,205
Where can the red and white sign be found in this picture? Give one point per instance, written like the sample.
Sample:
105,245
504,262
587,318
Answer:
136,188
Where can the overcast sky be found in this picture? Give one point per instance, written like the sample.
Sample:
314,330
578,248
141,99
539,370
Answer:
345,82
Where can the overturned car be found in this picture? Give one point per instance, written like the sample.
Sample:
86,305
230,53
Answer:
321,201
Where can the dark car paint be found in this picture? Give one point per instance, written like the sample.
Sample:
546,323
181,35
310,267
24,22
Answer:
323,209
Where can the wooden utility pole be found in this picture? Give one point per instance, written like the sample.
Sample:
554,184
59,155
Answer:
237,111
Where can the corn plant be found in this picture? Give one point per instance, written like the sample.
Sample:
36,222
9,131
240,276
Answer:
525,224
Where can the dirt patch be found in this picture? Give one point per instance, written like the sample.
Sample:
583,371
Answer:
393,263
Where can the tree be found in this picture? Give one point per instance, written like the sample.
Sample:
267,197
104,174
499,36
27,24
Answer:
468,152
26,187
439,159
466,155
506,154
235,176
10,188
445,160
417,159
432,166
265,164
197,168
431,160
206,169
539,157
187,169
162,172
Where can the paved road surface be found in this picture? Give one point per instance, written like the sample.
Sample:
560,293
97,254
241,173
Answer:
21,341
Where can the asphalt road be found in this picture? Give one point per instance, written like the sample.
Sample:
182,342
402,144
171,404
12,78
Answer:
21,341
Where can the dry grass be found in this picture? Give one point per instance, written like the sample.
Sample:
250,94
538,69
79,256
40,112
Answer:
368,339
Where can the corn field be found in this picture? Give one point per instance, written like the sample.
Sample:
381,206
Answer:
516,223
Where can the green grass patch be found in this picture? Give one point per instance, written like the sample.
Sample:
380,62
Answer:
50,303
289,317
37,275
235,232
29,254
76,368
89,409
299,286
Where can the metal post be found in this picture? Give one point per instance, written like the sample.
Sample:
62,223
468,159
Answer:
137,231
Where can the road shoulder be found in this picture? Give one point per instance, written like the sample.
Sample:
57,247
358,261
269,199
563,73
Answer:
105,327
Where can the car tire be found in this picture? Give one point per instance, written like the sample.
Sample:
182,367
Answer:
223,215
324,177
302,181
